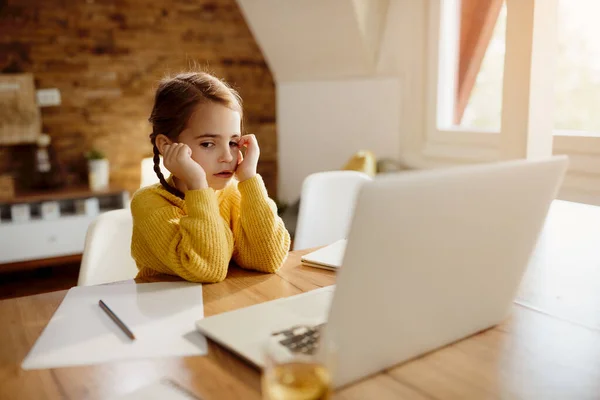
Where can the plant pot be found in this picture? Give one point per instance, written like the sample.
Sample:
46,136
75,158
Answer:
98,173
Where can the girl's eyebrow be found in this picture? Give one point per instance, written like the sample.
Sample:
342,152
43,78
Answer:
213,136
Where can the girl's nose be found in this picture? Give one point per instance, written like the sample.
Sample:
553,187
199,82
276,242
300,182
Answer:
227,155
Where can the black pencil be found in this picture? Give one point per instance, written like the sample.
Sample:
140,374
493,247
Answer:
116,319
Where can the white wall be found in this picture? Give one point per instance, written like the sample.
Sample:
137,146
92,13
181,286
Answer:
314,39
338,65
321,124
371,16
330,60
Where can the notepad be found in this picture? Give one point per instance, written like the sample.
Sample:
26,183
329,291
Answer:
329,257
161,315
162,390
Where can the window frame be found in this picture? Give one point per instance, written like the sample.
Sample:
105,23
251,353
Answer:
425,145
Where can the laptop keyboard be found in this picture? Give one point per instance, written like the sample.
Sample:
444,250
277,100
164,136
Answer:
302,339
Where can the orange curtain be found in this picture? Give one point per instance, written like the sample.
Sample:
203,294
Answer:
477,21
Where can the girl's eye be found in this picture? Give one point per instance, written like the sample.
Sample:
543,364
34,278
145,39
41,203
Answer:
207,144
234,144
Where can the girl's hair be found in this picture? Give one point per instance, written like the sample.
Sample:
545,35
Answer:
175,101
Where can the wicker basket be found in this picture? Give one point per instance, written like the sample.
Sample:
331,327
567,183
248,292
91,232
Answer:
7,187
20,120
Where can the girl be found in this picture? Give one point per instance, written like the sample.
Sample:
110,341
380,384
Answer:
193,223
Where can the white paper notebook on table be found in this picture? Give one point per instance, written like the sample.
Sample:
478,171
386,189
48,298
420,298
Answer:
160,315
163,390
328,257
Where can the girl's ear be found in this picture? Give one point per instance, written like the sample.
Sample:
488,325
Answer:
161,142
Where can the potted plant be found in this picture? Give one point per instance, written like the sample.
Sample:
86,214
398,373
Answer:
98,170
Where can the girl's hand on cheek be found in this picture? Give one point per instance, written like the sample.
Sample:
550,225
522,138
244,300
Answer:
177,158
247,164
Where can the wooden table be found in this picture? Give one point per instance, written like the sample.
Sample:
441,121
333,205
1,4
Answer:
548,349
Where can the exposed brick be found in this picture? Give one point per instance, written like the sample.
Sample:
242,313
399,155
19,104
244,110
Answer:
106,57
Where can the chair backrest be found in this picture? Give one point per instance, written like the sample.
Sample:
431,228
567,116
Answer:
326,206
107,251
148,175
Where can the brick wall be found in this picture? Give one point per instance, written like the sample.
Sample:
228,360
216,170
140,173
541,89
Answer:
106,57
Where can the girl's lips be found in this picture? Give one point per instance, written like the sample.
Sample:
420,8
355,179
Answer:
226,174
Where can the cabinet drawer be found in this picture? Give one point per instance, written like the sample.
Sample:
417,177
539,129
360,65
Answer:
37,239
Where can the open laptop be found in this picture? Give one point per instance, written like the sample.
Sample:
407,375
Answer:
432,257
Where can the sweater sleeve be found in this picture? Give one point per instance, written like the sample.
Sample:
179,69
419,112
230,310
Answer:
261,240
197,246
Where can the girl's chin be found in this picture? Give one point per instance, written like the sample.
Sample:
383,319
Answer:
220,183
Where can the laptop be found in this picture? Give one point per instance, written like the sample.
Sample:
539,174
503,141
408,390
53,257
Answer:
329,257
432,257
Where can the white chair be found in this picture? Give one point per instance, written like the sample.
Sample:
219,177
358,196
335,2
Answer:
148,175
107,251
326,205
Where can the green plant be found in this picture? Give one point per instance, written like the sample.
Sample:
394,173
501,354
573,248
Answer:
95,154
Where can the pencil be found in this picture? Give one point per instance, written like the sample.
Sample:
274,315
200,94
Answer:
116,319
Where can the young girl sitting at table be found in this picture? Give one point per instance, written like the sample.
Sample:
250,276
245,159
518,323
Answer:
214,207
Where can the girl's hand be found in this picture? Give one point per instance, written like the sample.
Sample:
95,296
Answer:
177,158
247,165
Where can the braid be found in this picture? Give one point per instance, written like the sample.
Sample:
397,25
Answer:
161,177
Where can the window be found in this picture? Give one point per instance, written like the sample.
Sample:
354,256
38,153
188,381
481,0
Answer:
577,83
484,106
464,80
472,48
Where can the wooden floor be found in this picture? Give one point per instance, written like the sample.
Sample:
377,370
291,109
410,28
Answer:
30,282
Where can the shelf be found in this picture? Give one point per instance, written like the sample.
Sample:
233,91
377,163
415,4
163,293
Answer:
37,219
40,240
39,263
71,193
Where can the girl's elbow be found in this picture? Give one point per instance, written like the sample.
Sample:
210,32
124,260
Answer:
214,279
276,263
208,278
274,269
220,273
207,272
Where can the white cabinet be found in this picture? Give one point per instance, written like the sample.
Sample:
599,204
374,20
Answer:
43,239
39,238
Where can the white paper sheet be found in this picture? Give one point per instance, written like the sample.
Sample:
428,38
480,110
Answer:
163,390
161,315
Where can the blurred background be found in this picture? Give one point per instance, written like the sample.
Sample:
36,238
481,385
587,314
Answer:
378,86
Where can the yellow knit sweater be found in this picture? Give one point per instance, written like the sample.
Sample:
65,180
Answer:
196,238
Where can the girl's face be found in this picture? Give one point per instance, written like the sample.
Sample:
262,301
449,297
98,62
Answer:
213,132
